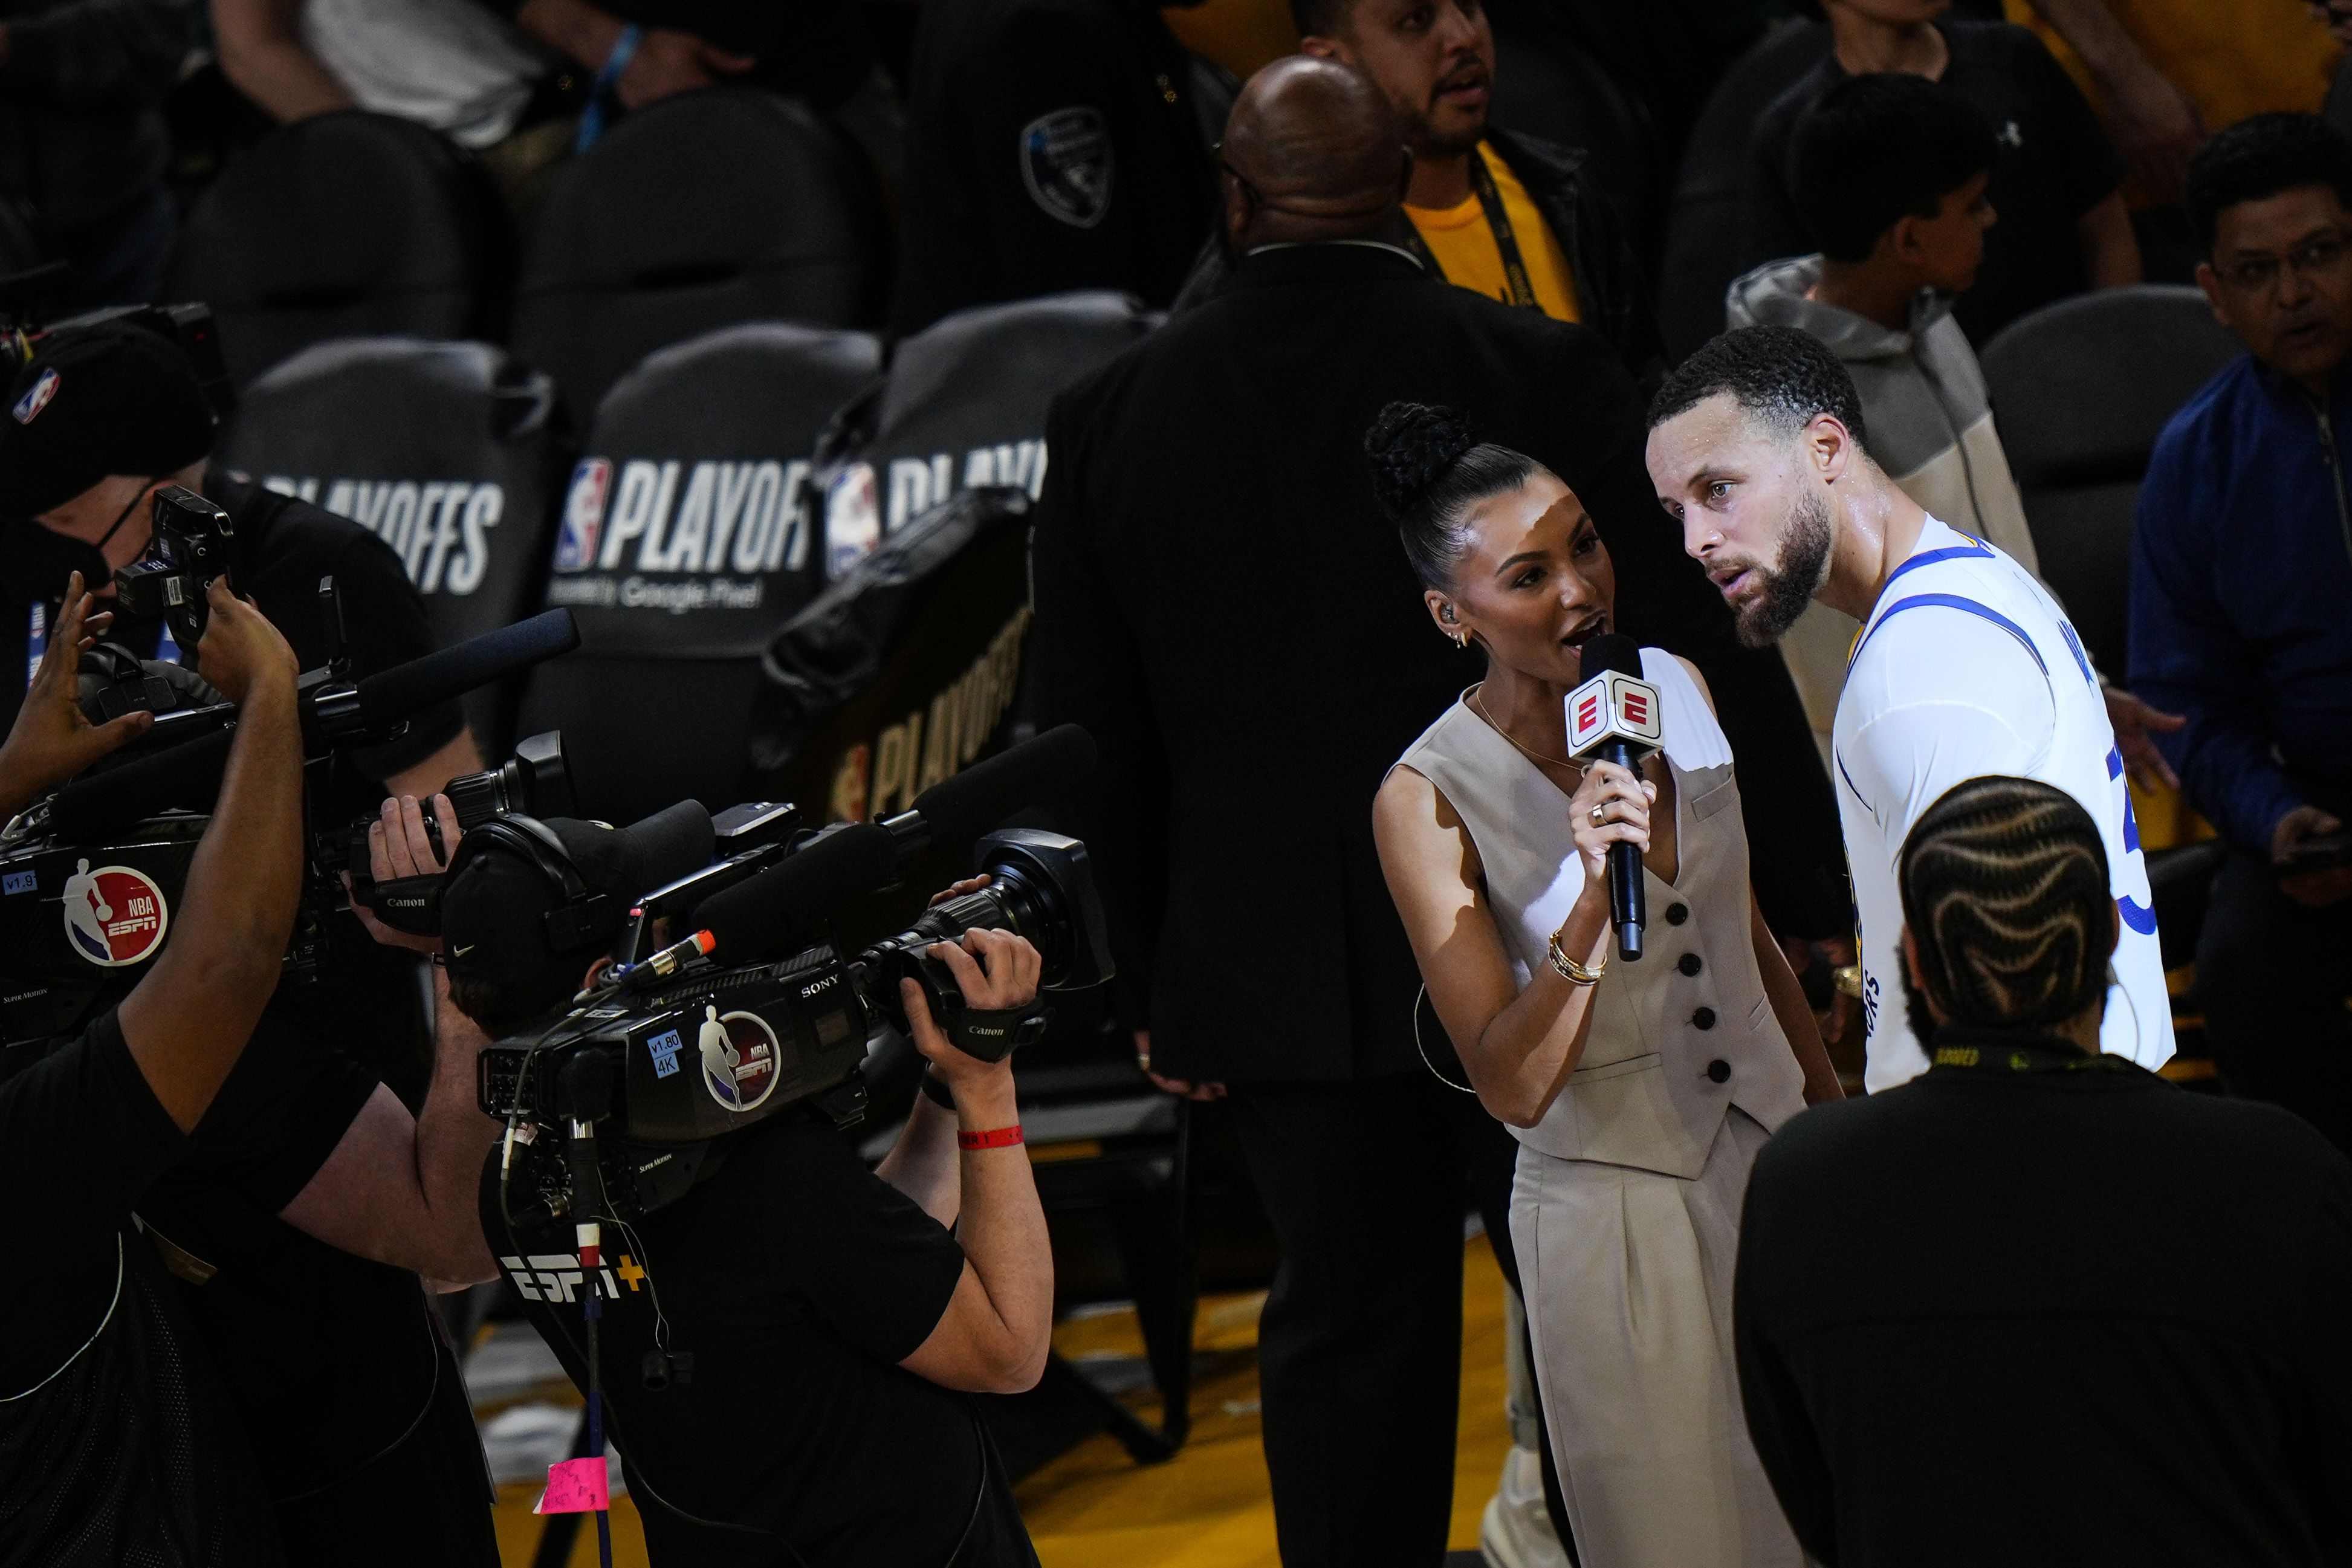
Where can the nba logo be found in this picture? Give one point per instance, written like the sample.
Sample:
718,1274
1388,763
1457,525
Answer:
583,515
37,398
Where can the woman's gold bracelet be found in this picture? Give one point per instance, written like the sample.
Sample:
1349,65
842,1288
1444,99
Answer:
1572,971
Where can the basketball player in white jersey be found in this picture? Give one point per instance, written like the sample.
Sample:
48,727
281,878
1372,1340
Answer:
1965,666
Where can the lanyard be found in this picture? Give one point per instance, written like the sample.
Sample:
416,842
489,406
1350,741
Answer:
37,642
2022,1056
1499,224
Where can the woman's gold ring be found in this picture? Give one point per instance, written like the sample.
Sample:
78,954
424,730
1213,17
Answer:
1596,816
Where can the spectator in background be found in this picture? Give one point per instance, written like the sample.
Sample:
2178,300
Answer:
2037,1305
2054,180
1212,471
1890,173
2166,73
448,65
1514,217
2242,577
82,139
1051,144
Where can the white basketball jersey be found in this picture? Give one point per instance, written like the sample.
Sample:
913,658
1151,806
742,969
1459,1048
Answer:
1967,668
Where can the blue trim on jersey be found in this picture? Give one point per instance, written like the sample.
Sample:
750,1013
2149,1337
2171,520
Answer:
2074,646
2114,764
2140,919
1974,550
1953,602
1852,785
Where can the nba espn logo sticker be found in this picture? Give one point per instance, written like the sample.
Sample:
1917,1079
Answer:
583,515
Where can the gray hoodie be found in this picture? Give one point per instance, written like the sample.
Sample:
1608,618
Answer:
1926,422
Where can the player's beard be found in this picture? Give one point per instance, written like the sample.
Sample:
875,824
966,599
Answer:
1790,586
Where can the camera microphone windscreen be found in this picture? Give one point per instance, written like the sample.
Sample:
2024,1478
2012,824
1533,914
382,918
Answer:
764,916
961,807
389,696
187,777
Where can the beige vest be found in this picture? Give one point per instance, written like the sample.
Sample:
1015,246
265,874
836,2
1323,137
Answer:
1687,1033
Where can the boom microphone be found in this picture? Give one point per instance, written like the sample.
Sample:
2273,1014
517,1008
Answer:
765,915
961,807
1613,717
389,696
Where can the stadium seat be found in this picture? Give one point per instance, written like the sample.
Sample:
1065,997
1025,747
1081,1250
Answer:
346,225
683,549
2081,389
447,450
21,249
964,405
707,209
1705,227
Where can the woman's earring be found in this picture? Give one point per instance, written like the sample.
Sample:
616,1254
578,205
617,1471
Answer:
1462,641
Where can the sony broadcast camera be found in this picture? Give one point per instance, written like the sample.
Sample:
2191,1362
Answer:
622,1105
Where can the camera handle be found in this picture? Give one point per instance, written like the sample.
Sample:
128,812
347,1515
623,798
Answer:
330,615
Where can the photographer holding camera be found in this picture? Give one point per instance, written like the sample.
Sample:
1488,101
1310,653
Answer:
783,1346
117,1443
335,1166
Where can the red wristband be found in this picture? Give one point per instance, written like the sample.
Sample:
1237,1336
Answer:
995,1137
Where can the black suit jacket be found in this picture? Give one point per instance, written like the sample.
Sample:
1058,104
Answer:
1221,602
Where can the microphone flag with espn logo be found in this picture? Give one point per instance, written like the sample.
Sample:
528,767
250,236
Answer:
1612,705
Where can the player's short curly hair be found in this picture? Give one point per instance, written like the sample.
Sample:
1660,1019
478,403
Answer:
1780,378
2004,884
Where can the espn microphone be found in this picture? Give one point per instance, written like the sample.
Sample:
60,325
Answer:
1613,717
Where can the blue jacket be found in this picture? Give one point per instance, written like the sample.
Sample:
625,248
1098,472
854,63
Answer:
2242,596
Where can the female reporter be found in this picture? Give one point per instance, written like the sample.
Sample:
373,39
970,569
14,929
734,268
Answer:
1640,1092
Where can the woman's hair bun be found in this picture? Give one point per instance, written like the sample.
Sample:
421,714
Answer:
1412,444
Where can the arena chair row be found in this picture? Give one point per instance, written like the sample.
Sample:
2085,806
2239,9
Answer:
717,207
722,485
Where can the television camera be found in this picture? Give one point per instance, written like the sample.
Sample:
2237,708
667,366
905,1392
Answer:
623,1104
91,874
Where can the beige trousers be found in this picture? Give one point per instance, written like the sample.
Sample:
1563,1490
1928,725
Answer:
1627,1276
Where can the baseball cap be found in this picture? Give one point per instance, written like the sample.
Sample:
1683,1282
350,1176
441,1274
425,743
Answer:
114,398
494,924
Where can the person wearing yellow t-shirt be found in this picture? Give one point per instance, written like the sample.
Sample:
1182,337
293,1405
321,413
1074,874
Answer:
1512,216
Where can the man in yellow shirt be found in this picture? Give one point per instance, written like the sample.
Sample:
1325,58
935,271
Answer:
1512,216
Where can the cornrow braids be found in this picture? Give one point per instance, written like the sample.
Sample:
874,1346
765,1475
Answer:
2004,884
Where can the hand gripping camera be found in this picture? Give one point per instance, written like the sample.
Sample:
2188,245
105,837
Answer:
90,877
760,1009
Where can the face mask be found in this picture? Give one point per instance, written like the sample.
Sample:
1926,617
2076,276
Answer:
34,563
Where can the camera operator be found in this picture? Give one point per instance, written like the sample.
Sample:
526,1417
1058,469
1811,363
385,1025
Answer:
321,1182
832,1313
116,1441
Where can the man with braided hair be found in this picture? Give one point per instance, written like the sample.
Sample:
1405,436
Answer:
1965,665
2039,1305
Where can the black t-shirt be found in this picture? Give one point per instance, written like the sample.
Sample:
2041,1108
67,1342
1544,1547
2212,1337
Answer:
117,1443
288,1317
1051,144
798,1279
2051,1317
2054,165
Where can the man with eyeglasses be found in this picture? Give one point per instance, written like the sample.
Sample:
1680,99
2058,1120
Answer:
2241,610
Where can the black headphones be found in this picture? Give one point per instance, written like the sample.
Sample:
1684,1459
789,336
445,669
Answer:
584,915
